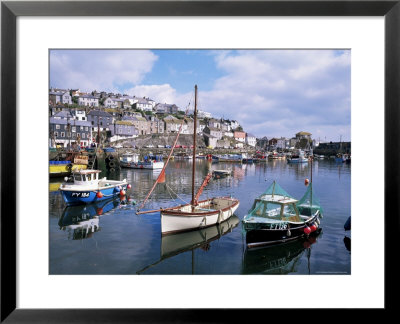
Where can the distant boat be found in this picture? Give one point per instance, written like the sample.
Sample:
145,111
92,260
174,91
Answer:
85,187
276,217
131,160
231,157
341,158
221,173
298,157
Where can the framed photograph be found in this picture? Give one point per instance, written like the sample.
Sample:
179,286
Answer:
263,113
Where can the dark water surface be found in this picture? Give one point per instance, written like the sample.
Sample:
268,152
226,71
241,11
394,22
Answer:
109,238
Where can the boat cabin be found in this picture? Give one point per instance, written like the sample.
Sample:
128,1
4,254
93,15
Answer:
86,177
130,157
276,207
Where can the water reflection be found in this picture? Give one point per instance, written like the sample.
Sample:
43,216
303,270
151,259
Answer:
80,222
279,259
175,244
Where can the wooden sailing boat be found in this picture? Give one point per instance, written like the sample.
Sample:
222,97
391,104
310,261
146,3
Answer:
197,214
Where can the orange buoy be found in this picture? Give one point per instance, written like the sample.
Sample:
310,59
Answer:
99,211
306,182
129,186
99,194
122,192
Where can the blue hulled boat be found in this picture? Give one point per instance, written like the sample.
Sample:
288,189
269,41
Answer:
86,188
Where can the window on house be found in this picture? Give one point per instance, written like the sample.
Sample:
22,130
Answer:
62,134
73,129
83,135
55,134
86,128
57,126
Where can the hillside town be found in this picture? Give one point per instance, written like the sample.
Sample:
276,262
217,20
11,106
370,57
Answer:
75,118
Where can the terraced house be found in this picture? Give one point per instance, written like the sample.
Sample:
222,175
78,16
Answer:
88,100
60,98
65,132
141,124
102,119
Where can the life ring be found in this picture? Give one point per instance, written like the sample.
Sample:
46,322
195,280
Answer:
111,164
90,163
111,157
112,170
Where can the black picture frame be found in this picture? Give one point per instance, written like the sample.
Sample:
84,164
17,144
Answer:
10,10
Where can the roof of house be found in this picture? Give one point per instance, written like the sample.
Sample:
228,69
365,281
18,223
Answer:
249,135
239,134
64,114
124,122
99,113
71,122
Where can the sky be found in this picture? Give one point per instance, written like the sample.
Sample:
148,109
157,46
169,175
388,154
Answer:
271,93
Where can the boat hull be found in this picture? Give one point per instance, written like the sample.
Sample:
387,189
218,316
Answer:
143,165
61,170
297,161
279,233
182,219
78,197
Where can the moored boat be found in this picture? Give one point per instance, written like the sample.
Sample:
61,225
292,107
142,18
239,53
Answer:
85,187
131,160
276,217
221,173
65,168
298,157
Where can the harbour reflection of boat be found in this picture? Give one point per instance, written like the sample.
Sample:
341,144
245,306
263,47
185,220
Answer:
81,221
175,244
277,259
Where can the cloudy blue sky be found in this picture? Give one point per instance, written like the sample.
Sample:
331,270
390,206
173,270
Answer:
271,93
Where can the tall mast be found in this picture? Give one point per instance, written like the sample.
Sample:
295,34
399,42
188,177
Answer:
194,141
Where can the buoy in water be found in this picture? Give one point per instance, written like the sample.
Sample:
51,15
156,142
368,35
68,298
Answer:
129,186
307,230
99,211
306,182
122,192
99,194
313,228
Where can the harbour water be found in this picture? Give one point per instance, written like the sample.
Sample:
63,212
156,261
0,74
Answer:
109,238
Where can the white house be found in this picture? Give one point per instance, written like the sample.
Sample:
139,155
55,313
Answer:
88,100
144,104
251,140
60,97
79,114
204,114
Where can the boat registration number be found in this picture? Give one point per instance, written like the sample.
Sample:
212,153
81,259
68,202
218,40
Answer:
279,226
80,194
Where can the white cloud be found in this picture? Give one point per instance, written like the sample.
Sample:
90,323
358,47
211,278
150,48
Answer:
107,70
280,92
